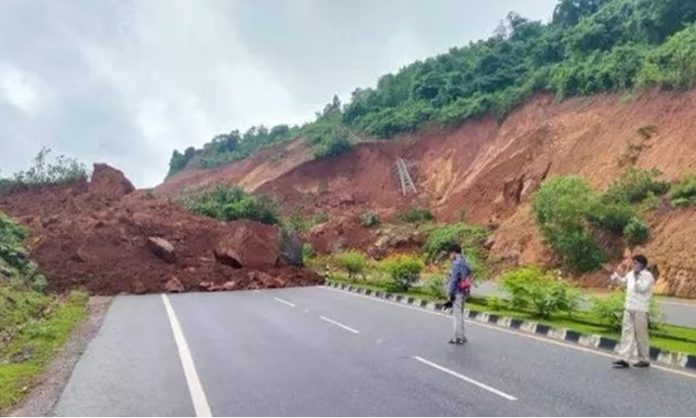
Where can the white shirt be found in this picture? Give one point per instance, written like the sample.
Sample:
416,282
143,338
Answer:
638,289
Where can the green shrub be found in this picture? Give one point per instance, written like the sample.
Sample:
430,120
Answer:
683,194
541,292
562,206
403,269
307,252
12,250
303,224
416,215
609,312
353,262
435,287
232,203
328,137
39,283
613,216
332,148
672,65
369,219
496,303
471,238
635,185
636,232
43,173
682,202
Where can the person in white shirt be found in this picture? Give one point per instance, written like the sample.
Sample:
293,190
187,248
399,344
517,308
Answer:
639,284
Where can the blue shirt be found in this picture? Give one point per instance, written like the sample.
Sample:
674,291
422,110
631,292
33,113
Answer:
460,269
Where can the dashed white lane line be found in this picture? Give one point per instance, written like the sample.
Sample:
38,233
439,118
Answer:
513,332
283,301
466,379
200,402
340,325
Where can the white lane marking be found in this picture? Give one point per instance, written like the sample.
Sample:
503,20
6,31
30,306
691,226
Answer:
200,402
284,301
466,379
338,324
513,332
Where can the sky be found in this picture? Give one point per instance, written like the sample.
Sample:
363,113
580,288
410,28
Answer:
126,82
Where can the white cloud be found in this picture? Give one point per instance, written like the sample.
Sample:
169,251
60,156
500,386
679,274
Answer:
126,82
21,89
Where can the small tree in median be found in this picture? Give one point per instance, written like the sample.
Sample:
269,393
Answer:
403,269
353,262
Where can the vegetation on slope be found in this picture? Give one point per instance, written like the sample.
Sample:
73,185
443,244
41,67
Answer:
589,46
33,324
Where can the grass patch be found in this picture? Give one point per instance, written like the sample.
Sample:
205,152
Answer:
667,337
23,359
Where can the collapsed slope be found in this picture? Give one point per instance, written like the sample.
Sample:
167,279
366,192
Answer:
490,170
108,238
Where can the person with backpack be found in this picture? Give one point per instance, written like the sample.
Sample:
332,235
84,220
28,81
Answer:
639,284
458,289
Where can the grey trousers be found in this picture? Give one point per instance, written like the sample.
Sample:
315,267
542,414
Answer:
458,314
634,337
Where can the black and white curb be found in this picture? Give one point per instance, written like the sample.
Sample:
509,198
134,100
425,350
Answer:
599,342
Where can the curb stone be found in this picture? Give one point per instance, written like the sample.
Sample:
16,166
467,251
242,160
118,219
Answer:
598,342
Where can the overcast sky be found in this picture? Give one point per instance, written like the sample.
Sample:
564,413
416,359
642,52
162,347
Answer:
126,82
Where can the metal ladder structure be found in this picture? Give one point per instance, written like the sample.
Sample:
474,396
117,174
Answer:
406,180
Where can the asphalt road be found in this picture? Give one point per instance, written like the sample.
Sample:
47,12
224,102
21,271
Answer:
319,352
677,311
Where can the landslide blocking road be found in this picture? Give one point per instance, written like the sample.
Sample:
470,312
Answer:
317,351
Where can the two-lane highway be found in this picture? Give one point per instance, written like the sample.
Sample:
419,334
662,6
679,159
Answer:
319,351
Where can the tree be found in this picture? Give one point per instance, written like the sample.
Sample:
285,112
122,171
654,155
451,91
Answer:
569,12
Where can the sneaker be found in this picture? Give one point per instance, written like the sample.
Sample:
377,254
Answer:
458,341
620,364
642,364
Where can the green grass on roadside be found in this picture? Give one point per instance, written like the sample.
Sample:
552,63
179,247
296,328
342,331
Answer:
668,337
32,348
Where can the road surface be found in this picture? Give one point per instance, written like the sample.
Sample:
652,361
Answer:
677,311
319,351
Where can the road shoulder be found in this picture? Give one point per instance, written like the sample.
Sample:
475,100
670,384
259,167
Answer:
42,398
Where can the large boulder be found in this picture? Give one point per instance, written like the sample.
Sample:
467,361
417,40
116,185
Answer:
252,245
174,285
162,249
109,183
290,247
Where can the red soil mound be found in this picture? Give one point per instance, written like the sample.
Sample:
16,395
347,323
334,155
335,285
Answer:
109,239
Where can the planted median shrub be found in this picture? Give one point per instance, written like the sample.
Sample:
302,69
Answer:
609,311
232,203
403,269
352,262
435,286
530,288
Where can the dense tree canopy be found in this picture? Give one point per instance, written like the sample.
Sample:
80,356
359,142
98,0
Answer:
589,46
